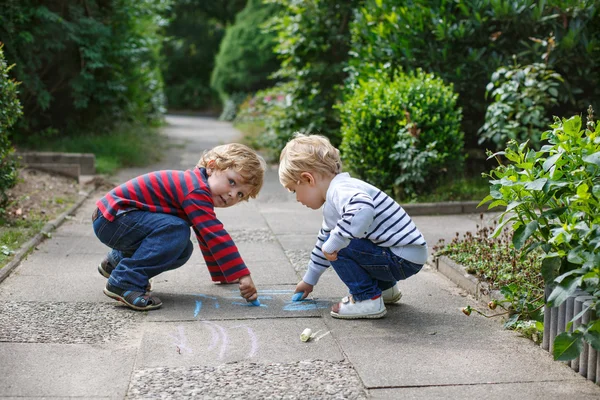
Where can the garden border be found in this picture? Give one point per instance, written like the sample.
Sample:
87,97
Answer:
26,248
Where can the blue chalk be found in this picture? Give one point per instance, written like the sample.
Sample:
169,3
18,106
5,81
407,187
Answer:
255,303
297,296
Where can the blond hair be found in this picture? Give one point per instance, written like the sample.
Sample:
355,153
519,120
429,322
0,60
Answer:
308,153
239,158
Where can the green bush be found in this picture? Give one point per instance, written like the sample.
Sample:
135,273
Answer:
522,96
194,35
10,111
246,58
403,132
313,40
84,65
552,199
464,42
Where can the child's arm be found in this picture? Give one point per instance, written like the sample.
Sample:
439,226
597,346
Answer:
357,215
219,251
318,263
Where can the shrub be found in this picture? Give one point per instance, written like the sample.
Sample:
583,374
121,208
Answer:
10,111
246,58
464,42
403,132
552,199
84,65
313,39
522,97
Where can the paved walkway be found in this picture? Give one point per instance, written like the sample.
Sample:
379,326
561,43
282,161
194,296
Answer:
60,337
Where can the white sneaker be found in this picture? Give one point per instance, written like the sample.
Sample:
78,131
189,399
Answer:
391,295
351,309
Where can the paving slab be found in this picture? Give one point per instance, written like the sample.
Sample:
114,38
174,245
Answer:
493,391
298,380
215,303
42,370
215,342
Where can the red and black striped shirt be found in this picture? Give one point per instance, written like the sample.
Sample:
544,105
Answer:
187,195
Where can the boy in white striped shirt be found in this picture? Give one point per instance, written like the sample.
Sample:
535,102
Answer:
366,236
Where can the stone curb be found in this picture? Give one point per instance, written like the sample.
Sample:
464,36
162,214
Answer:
39,237
448,207
458,274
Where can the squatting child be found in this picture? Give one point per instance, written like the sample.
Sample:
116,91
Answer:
146,222
368,238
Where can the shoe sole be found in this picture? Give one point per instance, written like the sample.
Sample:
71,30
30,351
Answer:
122,300
107,275
359,316
393,300
103,272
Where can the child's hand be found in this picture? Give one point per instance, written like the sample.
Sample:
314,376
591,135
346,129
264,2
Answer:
304,287
330,256
247,288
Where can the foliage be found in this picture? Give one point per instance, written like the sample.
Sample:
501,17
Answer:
495,261
84,64
521,97
10,112
246,58
464,42
552,198
403,132
312,44
267,108
194,35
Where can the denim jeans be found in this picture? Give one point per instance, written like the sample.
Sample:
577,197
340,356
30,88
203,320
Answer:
368,269
143,244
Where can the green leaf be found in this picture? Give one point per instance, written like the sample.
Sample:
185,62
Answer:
567,346
572,125
536,185
592,335
550,268
551,161
593,158
523,233
563,290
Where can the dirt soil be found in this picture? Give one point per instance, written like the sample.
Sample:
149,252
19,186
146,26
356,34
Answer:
41,194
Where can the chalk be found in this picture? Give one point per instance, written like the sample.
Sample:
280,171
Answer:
306,335
255,303
297,296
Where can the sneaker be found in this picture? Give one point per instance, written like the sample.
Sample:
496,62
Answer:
391,295
106,268
351,309
139,301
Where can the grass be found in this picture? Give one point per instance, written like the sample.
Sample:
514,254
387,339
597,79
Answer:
129,145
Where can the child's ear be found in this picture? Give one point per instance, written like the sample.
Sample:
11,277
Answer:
210,166
307,177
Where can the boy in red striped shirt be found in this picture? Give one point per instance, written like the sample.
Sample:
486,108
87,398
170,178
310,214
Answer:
146,222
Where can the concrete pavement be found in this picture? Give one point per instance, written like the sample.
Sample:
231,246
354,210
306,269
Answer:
60,337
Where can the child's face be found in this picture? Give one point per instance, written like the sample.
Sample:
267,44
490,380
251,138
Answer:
227,187
308,192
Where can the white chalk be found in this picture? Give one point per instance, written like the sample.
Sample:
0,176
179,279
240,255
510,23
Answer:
306,335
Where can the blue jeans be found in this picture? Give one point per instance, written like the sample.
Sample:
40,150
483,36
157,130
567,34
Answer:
143,244
368,269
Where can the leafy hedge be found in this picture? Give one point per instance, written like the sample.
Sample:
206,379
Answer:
552,199
10,111
313,39
464,42
84,65
402,133
246,58
194,35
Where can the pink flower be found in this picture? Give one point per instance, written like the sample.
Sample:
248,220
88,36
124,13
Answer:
268,98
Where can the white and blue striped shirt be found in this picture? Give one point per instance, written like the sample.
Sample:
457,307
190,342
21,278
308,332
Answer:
354,209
